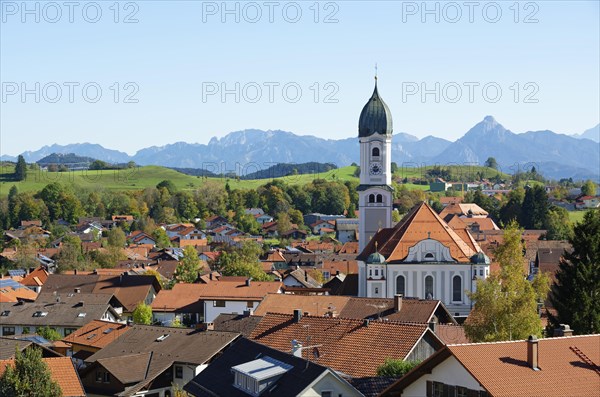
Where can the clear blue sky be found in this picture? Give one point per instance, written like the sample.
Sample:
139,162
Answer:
178,49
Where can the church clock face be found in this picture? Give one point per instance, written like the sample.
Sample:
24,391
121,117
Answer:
375,168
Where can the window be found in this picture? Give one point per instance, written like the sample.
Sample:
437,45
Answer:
437,389
376,290
326,394
429,257
69,331
375,152
379,198
179,372
456,289
106,377
102,376
371,198
218,303
5,313
376,272
99,376
428,287
400,285
481,272
461,391
8,331
250,304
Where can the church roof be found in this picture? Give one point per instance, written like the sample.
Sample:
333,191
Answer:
421,223
375,117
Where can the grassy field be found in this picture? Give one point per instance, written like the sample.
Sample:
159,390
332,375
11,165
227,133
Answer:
576,216
142,177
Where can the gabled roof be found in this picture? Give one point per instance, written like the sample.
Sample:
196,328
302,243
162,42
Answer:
97,334
62,371
568,367
421,223
354,347
147,347
464,209
302,276
10,344
236,323
36,278
218,379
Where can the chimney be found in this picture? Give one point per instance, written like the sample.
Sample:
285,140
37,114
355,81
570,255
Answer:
433,324
77,290
563,330
248,312
532,352
248,281
75,271
210,276
397,303
366,322
80,303
297,315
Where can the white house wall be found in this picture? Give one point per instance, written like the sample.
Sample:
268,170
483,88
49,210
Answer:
211,312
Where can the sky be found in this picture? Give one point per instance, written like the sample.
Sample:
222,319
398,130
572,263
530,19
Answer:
134,74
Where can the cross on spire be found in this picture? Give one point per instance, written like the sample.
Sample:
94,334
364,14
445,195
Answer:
375,71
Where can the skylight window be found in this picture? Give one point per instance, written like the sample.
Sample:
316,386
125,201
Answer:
92,336
162,337
40,314
5,313
108,330
81,315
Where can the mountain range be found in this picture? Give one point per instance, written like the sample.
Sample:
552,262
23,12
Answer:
243,152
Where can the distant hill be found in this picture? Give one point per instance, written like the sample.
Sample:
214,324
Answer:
64,158
281,170
591,134
250,151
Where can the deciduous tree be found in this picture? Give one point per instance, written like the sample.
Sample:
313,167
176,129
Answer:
188,267
506,303
29,376
142,314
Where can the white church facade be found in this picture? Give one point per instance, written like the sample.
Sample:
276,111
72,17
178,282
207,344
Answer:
421,256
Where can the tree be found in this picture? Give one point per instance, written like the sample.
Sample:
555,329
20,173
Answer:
142,314
162,239
588,188
559,226
491,163
167,184
116,237
506,303
534,212
189,267
30,376
20,169
48,333
576,292
243,262
395,367
283,223
98,165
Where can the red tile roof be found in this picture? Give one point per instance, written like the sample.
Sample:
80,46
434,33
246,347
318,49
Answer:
345,345
62,371
97,334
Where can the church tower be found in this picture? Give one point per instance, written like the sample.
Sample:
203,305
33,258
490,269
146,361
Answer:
375,189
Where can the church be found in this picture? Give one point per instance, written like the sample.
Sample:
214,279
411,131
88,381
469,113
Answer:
421,256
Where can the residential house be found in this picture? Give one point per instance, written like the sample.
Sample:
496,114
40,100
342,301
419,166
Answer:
464,210
445,201
564,366
587,202
65,313
129,290
263,218
139,237
36,279
62,372
321,224
248,368
92,337
147,361
346,230
195,303
215,221
354,347
439,185
299,278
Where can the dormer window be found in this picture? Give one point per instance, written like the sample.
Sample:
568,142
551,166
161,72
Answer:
257,376
429,257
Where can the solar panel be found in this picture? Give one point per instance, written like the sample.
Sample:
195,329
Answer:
17,272
7,282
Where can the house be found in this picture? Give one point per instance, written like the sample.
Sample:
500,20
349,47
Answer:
346,230
446,201
423,257
263,218
254,211
10,344
354,347
122,219
274,261
128,289
148,360
92,337
439,185
563,366
321,224
10,293
36,279
62,372
139,237
248,368
65,313
196,303
216,220
464,210
299,278
587,202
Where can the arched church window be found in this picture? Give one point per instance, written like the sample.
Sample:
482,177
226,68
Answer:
400,285
428,287
371,198
375,152
429,257
456,289
379,198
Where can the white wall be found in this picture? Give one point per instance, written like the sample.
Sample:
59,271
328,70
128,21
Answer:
450,372
211,312
331,383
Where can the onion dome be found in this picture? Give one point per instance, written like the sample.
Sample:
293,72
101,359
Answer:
375,117
376,258
480,259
